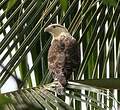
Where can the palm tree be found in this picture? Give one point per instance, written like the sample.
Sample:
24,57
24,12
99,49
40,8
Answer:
95,25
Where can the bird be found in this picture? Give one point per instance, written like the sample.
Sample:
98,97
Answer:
63,54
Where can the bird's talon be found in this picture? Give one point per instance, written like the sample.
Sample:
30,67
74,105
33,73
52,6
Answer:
59,88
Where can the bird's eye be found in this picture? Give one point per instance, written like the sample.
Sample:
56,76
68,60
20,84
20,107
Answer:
54,26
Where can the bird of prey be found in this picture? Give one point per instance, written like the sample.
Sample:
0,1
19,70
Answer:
63,54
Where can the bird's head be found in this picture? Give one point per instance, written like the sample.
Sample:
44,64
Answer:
56,30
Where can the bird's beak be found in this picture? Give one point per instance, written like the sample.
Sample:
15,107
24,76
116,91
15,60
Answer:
46,29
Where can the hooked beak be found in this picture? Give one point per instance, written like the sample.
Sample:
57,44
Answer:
47,29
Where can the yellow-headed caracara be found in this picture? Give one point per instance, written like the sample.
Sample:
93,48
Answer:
63,54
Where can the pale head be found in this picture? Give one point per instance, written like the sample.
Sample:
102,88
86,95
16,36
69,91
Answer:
56,30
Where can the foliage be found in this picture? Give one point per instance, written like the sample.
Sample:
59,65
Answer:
64,5
4,100
94,24
110,2
10,4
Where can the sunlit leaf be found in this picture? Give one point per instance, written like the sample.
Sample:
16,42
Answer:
4,100
110,2
64,4
10,4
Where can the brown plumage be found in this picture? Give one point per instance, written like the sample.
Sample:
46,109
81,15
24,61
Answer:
63,55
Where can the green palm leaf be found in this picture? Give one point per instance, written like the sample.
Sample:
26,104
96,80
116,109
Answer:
93,23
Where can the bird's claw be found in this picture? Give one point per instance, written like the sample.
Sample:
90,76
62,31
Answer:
56,87
60,90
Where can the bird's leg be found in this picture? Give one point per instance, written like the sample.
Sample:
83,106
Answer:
60,83
59,88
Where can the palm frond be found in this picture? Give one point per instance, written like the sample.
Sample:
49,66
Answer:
95,25
41,97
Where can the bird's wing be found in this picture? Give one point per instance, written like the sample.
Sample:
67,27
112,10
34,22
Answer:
63,58
72,55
